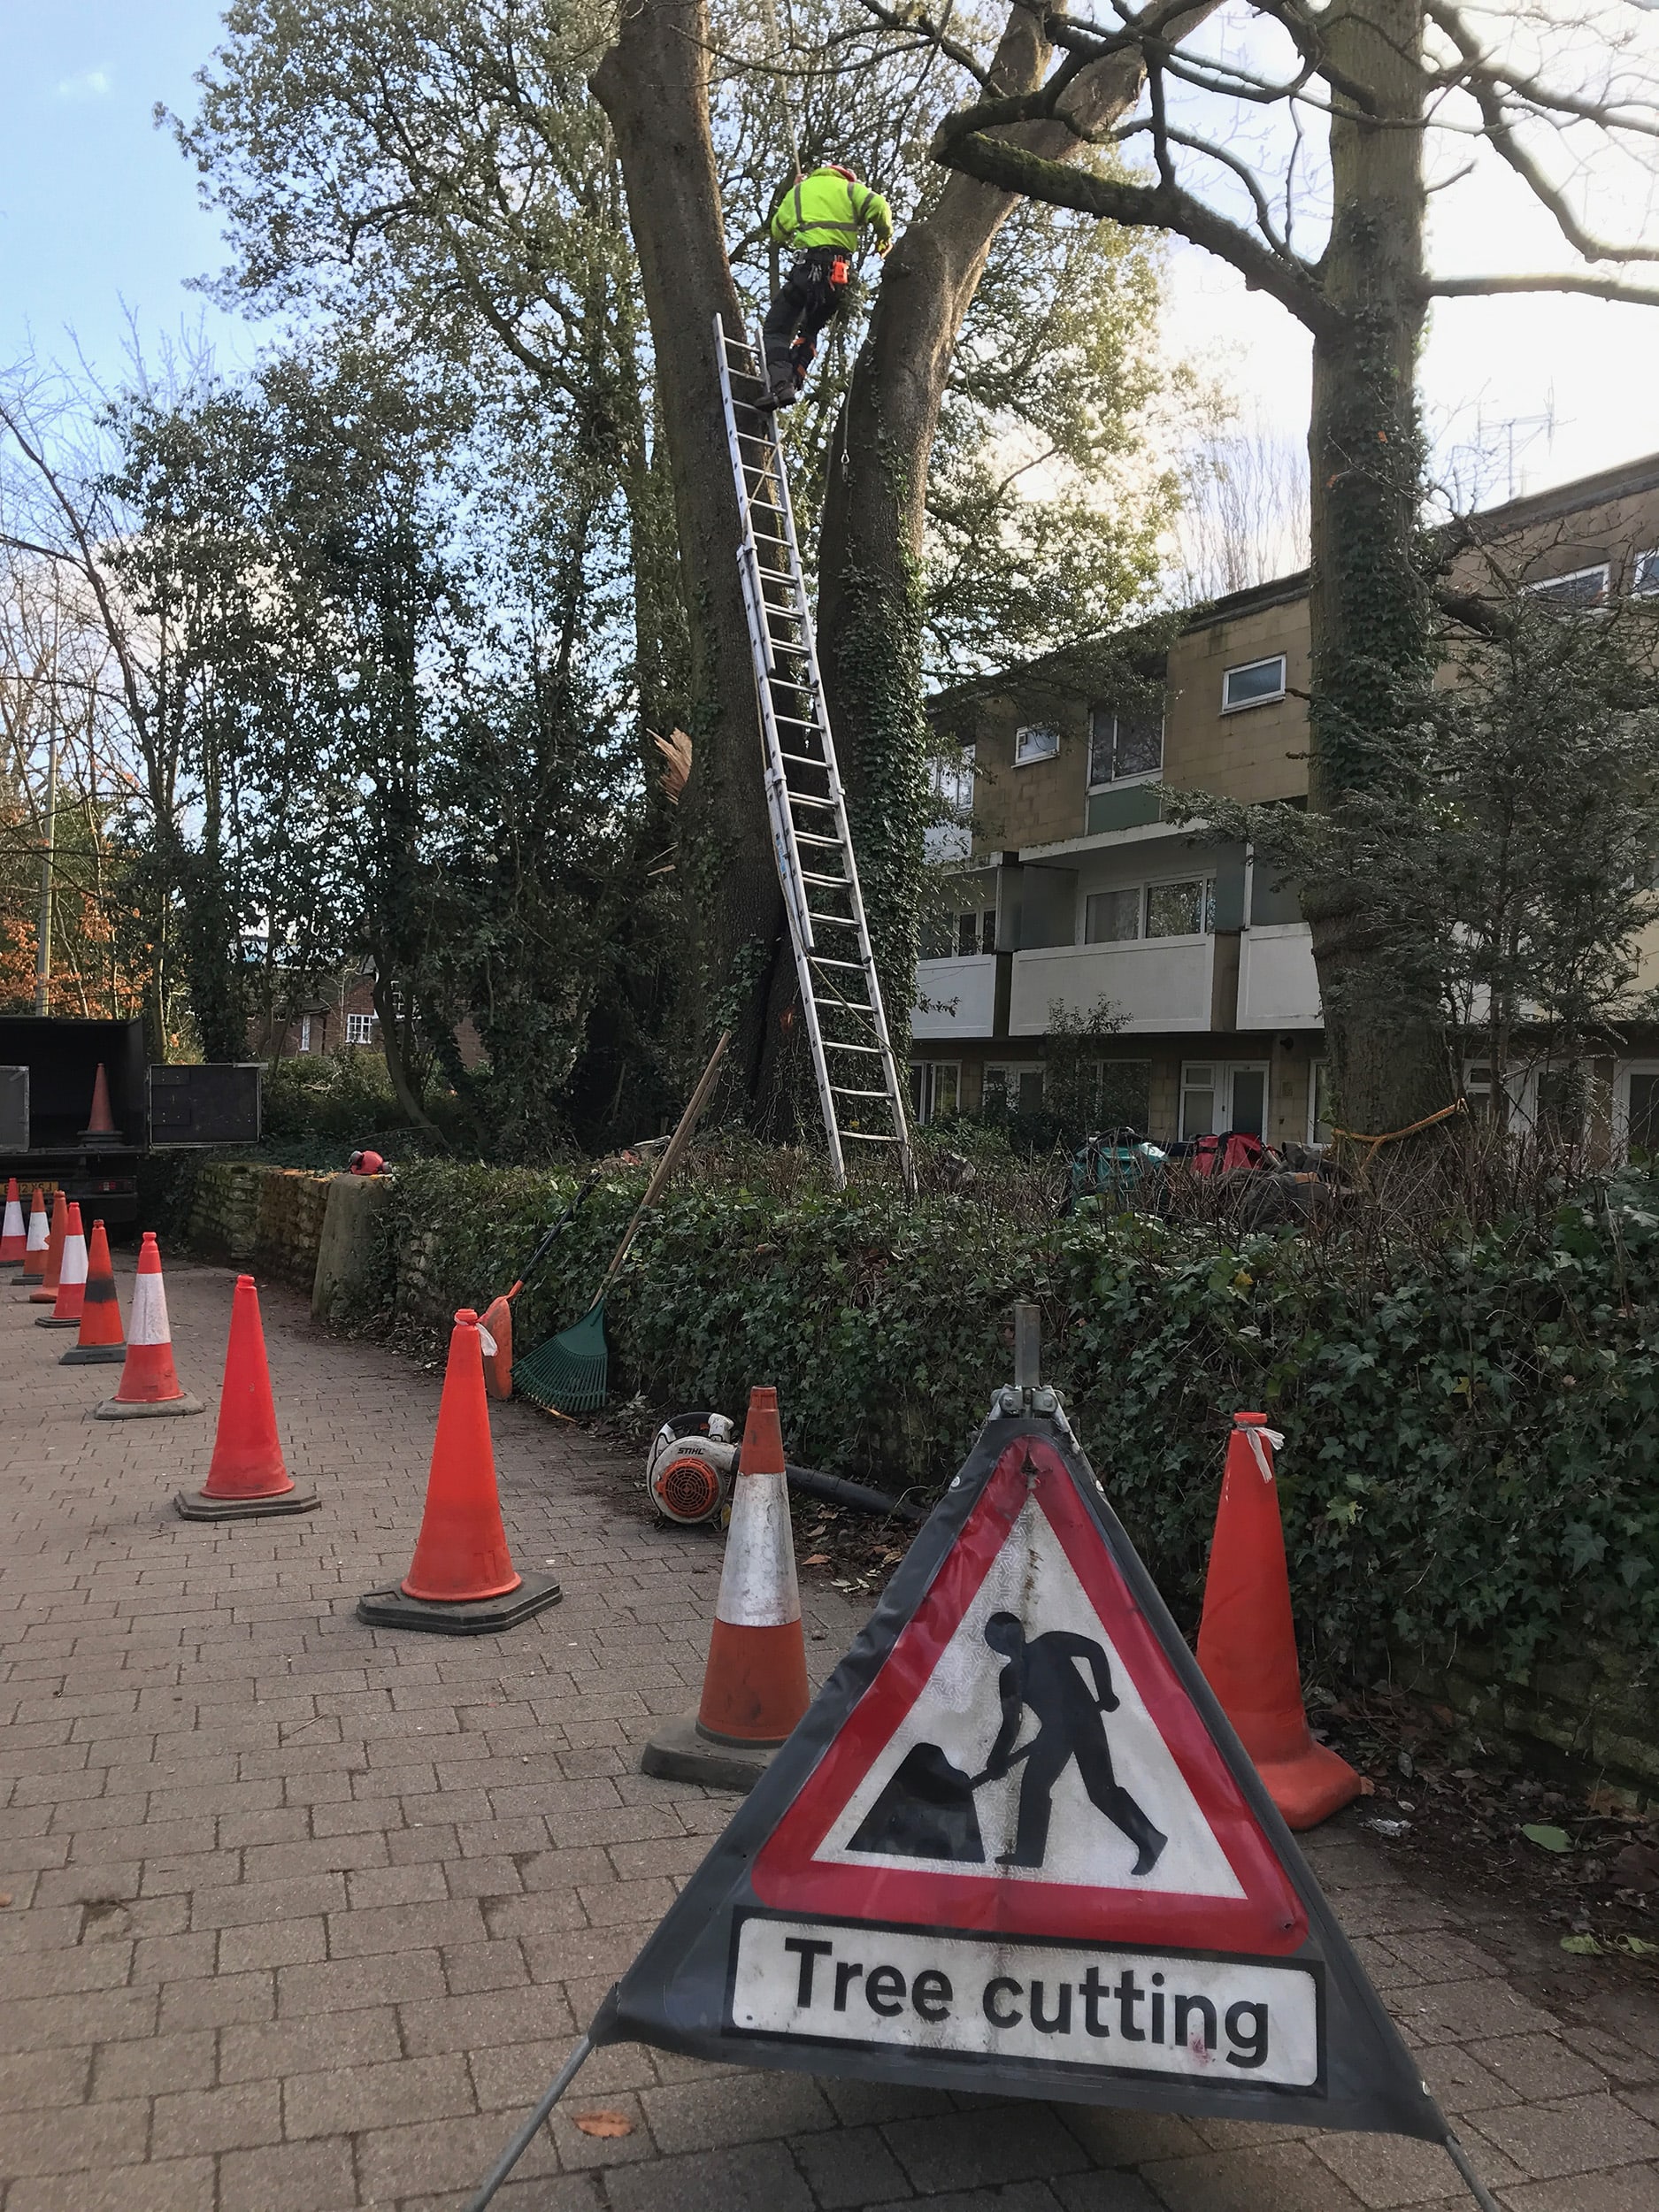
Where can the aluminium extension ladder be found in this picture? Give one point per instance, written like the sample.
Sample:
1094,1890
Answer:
858,1082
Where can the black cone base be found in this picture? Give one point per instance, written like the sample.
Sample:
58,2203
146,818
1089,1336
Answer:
196,1505
94,1356
465,1616
679,1752
68,1321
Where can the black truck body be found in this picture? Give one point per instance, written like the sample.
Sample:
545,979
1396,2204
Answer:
49,1066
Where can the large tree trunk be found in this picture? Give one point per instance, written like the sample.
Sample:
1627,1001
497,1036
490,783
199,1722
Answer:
654,86
870,598
1369,605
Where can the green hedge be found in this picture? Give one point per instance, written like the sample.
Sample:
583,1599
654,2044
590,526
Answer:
1471,1432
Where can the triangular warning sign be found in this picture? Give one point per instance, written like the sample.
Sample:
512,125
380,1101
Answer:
1016,1847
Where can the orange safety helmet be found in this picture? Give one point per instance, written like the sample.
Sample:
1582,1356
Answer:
836,170
365,1164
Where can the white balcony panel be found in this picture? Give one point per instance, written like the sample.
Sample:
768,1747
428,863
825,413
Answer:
1279,987
1157,983
956,998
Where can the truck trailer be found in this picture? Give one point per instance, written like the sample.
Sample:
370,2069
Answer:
49,1072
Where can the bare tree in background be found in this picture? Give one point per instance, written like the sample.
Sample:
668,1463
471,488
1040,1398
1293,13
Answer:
1298,145
1243,518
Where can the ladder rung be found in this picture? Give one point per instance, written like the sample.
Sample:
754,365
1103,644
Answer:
841,921
805,798
835,1044
829,883
869,1136
841,1091
802,760
832,844
822,960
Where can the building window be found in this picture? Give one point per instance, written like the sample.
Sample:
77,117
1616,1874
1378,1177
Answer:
360,1029
1645,584
1187,909
1580,587
1198,1099
1014,1090
1110,917
306,1032
1035,741
1636,1109
1253,684
1123,745
935,1088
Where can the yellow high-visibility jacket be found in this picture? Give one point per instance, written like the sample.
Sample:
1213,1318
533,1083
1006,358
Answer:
825,210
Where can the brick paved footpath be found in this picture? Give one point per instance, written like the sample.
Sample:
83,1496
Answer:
304,1916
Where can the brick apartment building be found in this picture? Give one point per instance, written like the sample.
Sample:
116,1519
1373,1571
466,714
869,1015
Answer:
1064,884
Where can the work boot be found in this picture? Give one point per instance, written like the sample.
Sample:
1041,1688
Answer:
779,395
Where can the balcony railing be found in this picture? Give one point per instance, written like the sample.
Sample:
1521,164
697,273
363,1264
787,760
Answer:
1277,985
1152,983
956,997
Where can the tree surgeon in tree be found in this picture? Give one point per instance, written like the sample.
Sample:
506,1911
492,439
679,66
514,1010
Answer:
1043,1673
823,217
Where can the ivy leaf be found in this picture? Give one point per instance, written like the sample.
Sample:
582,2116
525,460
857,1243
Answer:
1583,1946
1547,1838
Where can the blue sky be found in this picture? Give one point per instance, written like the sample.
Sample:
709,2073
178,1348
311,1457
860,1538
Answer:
99,212
96,206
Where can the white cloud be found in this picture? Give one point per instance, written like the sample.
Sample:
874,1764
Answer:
92,84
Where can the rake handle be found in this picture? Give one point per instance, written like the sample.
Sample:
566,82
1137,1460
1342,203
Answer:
670,1160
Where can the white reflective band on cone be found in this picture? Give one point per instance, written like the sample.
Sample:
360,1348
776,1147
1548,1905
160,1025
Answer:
40,1235
758,1584
149,1323
74,1264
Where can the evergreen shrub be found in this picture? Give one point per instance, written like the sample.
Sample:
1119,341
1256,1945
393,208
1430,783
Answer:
1471,1421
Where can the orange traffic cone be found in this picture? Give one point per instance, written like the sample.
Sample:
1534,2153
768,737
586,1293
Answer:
496,1327
753,1687
36,1243
46,1294
101,1127
72,1276
462,1581
149,1382
247,1478
13,1242
1247,1640
100,1340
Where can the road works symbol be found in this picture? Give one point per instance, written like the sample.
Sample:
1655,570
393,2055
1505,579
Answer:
1014,1846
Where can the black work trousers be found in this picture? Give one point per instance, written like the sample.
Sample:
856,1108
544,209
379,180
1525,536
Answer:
806,301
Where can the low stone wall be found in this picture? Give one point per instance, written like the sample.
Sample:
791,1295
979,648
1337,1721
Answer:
292,1203
1591,1719
267,1219
223,1222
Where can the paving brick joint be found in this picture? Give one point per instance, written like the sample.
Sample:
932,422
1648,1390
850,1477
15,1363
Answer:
303,1914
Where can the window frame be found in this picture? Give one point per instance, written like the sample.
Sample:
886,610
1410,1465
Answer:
1265,698
1015,1068
1207,911
1136,891
1220,1087
363,1025
1024,759
306,1032
1622,1074
924,1100
1644,574
1547,585
1115,782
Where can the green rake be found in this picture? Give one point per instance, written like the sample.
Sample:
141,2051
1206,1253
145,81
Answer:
570,1373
